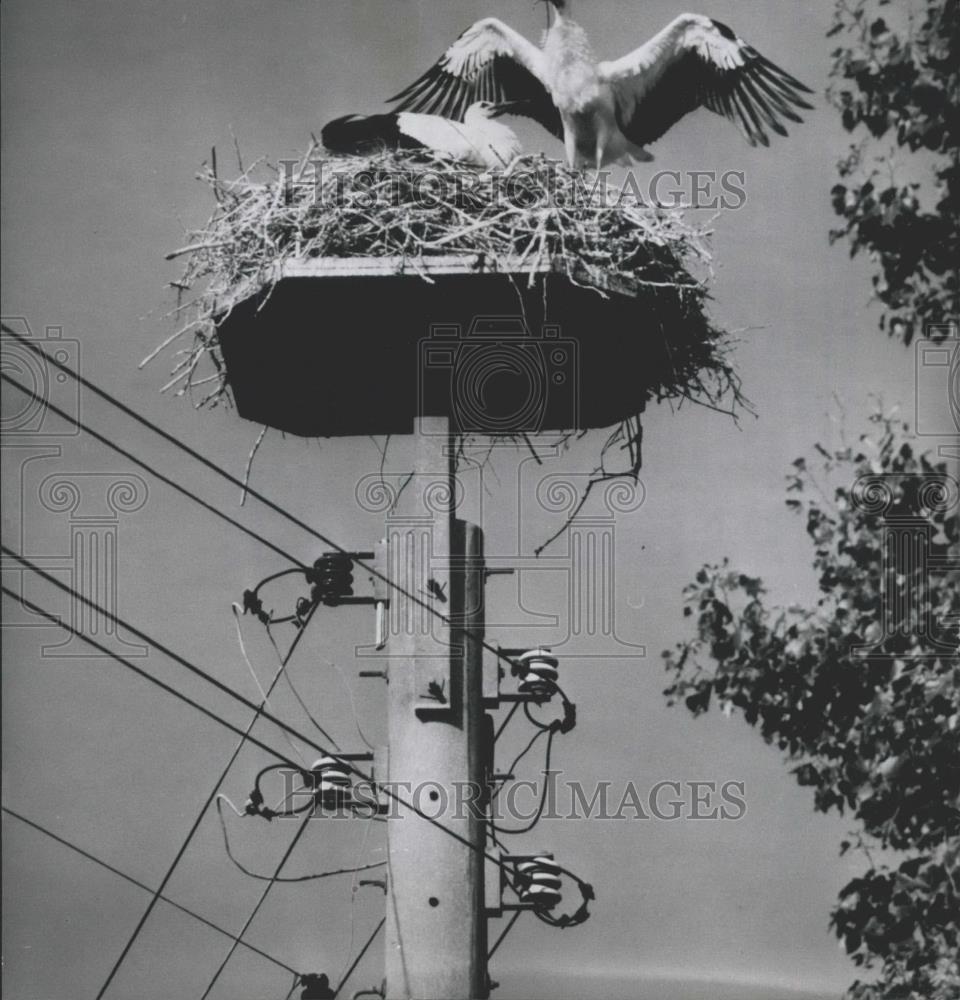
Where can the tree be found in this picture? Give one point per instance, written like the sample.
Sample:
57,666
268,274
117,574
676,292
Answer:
862,692
896,84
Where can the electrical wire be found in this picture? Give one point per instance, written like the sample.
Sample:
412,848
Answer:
581,915
296,694
147,467
353,705
55,620
517,760
566,921
237,613
253,602
198,671
303,705
506,931
426,605
349,765
353,886
543,795
256,909
290,878
503,725
357,960
144,886
255,806
245,736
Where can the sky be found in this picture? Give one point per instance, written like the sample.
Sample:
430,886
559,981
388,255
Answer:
110,108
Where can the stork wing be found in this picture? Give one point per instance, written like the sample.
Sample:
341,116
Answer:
488,62
695,62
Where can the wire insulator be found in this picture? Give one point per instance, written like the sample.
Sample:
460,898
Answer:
253,605
538,882
332,577
539,674
316,987
332,781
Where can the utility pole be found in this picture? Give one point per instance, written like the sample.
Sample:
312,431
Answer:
436,927
443,879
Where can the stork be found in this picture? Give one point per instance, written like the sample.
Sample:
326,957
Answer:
478,139
608,111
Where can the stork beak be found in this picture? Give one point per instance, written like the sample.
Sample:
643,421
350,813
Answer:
504,108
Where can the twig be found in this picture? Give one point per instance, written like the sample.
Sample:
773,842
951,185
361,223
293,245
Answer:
250,457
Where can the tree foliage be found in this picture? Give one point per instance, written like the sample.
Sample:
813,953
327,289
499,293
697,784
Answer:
896,83
861,691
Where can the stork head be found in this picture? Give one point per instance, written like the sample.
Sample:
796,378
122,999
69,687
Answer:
560,7
481,110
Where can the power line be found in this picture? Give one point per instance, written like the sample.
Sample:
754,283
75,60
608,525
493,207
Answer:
36,609
288,678
413,598
144,886
543,795
244,737
120,450
54,620
356,961
266,890
292,878
198,671
506,721
585,889
517,760
349,765
506,931
229,477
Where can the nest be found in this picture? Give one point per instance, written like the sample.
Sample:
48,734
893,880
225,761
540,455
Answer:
414,206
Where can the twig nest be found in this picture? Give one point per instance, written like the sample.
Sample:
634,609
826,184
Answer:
540,215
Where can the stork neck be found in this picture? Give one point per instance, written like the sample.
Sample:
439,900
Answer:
559,16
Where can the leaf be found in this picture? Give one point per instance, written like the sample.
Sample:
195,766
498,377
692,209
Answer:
875,735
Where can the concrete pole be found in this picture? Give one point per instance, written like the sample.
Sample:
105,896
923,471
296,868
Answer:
436,928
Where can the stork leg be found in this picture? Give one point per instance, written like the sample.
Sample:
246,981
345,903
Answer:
602,136
570,145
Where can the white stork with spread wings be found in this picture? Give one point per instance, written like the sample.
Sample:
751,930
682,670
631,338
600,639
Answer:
606,112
